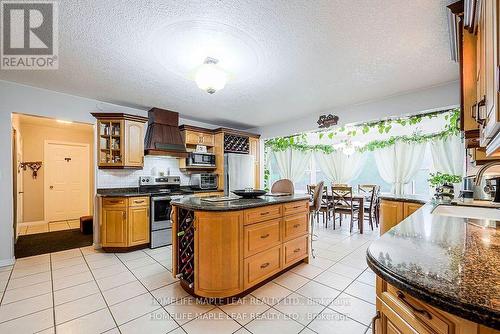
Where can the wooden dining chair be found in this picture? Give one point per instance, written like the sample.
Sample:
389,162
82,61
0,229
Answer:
314,208
343,204
369,192
326,208
283,186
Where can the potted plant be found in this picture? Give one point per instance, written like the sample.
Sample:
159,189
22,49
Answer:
445,185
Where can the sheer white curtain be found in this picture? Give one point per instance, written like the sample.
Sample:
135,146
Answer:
398,163
339,167
292,164
448,155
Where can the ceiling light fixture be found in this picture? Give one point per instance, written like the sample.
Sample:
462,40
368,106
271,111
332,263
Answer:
211,77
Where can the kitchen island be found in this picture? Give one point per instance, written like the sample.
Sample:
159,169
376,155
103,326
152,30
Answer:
225,249
438,274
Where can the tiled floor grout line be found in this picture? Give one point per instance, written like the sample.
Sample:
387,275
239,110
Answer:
100,291
7,284
149,291
53,298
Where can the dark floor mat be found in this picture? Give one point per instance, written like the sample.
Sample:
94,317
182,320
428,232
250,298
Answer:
42,243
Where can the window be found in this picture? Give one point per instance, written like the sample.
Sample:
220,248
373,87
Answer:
369,174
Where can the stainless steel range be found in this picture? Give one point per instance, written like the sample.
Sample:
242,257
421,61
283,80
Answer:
162,190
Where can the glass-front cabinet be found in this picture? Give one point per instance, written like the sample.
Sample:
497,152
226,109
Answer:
120,140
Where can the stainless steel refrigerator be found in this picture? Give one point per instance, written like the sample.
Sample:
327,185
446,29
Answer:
239,172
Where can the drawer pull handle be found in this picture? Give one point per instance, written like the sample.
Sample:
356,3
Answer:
139,202
425,313
264,236
296,225
115,202
297,207
296,250
265,265
264,213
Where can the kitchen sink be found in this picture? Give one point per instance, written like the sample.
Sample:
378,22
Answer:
467,212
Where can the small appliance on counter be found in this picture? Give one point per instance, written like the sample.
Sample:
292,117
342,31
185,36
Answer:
162,190
204,181
197,159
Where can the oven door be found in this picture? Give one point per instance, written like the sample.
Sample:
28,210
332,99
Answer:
160,213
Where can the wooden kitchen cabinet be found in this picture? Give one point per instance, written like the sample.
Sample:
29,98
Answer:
120,140
114,226
218,253
392,212
398,312
197,136
138,225
124,222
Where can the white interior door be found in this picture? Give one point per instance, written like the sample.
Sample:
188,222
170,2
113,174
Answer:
67,187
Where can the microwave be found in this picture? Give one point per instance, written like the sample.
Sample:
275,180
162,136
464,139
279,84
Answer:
196,159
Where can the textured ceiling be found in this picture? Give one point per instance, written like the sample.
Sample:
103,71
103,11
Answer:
289,58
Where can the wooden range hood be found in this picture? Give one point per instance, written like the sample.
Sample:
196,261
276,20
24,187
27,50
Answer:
163,136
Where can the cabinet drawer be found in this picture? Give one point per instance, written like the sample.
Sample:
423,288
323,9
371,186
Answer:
295,226
391,323
138,201
261,236
295,250
114,202
419,315
295,208
262,266
261,214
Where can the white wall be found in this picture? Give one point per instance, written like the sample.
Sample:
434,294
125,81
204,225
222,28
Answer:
437,97
40,102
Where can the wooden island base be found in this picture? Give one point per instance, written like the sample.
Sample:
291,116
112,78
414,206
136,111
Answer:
220,255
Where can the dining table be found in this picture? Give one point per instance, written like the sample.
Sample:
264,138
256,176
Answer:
358,200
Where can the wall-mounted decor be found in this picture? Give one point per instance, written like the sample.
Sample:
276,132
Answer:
325,121
33,165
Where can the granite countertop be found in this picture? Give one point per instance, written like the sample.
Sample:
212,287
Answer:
132,192
120,192
420,199
194,203
451,263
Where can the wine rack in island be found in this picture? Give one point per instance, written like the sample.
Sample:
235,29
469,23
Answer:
185,242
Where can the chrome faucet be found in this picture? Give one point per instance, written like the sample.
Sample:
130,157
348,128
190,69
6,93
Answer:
482,170
489,187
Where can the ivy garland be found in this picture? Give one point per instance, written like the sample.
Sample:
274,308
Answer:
299,142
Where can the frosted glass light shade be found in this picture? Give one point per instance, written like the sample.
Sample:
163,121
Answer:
211,78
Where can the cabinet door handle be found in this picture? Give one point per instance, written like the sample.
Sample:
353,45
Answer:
124,214
296,225
264,236
374,322
265,265
425,313
296,250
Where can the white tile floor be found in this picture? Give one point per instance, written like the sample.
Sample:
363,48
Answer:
86,291
48,227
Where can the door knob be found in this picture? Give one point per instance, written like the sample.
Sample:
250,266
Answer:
51,187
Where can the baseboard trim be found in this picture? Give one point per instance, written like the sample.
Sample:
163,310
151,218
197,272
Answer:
8,262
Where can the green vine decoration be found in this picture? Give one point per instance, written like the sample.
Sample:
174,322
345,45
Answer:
438,179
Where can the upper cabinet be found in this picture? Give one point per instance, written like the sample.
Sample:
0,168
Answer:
120,140
478,42
197,136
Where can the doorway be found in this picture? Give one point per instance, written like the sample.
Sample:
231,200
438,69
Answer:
54,183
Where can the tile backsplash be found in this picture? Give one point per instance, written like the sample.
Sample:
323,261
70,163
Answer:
125,178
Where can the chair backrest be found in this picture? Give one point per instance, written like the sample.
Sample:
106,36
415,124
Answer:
311,188
340,185
368,190
317,196
342,196
283,186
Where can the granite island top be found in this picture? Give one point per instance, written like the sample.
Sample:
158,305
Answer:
194,203
420,199
451,263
